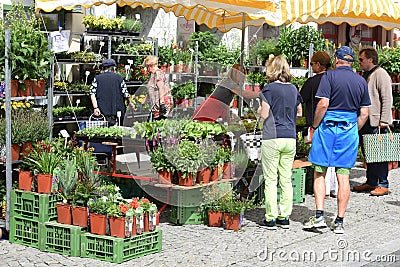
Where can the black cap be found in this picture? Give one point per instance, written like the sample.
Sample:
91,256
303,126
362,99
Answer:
109,63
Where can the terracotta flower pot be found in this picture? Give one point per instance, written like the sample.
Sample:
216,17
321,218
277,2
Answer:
146,222
203,176
117,226
214,218
38,88
25,179
80,216
15,152
28,88
188,181
165,177
226,173
233,221
64,213
98,223
44,183
215,174
26,149
14,88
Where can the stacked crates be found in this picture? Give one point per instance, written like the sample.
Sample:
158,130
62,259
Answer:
29,212
33,223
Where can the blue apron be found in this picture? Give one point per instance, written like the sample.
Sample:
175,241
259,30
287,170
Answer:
335,141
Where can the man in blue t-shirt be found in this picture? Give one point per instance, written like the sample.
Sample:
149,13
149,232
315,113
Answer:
342,95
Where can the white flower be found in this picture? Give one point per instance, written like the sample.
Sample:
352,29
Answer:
104,198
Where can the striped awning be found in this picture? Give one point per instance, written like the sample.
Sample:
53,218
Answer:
221,14
228,14
372,13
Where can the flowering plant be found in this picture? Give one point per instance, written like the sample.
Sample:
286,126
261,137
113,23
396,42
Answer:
145,204
104,198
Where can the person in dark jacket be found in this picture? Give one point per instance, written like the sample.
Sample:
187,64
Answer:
108,93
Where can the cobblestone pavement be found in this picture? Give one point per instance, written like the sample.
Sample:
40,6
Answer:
372,227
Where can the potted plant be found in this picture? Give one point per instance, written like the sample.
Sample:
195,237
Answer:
103,198
208,152
213,196
222,168
67,177
149,214
184,91
294,44
43,160
116,217
234,209
162,165
89,182
186,157
29,54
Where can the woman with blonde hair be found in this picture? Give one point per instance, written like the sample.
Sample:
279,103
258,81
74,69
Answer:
281,103
160,95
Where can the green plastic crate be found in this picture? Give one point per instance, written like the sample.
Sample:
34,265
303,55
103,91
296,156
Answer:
187,215
26,232
62,238
298,182
193,197
117,250
35,206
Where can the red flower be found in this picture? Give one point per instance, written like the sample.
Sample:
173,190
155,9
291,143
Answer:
123,208
145,200
134,203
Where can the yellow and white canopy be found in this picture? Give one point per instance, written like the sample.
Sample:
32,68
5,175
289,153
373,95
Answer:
228,14
221,14
369,12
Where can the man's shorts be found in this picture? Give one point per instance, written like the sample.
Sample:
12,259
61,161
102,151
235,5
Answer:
323,169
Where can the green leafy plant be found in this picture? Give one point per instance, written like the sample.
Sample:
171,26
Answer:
70,111
29,53
185,90
105,132
26,126
206,42
104,198
136,49
258,78
186,157
85,56
213,197
132,25
262,49
46,163
160,160
294,44
67,177
165,54
232,204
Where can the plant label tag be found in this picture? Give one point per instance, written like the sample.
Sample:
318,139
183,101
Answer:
87,73
130,61
64,133
101,43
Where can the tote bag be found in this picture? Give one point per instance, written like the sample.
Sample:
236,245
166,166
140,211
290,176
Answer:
382,147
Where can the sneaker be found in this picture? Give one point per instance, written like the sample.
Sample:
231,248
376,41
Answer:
380,191
270,225
337,227
315,223
283,223
363,188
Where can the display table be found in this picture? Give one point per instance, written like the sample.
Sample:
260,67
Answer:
137,145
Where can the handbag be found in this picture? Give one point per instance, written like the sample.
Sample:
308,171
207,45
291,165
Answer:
252,144
382,147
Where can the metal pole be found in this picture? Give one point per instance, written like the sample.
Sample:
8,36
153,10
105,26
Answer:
310,54
8,127
50,94
196,71
240,102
